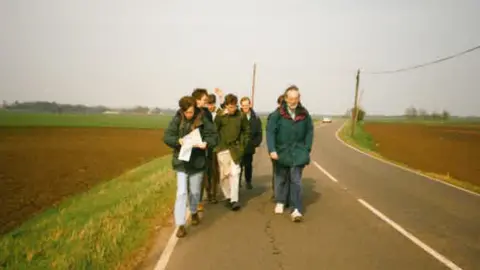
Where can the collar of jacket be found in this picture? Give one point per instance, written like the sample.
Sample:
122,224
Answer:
300,112
252,114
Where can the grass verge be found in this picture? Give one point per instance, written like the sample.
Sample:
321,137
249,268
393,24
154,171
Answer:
361,138
98,229
365,142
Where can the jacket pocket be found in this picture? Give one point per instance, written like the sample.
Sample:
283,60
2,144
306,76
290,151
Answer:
284,156
301,156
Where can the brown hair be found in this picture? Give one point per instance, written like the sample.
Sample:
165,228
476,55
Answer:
186,102
231,99
280,99
198,93
245,99
212,99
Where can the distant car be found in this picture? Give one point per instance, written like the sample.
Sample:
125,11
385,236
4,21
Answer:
327,120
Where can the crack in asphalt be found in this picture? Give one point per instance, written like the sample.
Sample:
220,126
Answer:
269,232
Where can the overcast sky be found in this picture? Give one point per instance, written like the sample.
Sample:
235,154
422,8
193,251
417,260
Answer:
125,53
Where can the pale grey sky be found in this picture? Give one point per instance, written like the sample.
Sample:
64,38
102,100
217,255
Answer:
125,53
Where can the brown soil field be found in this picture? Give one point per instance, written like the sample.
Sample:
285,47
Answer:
442,149
41,166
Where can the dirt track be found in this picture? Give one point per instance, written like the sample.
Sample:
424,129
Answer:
41,166
442,149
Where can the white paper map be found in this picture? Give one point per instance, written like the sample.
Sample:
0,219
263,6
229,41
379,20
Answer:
189,141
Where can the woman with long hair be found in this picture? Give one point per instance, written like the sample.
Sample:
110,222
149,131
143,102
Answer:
189,173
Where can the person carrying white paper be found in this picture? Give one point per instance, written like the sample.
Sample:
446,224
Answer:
189,173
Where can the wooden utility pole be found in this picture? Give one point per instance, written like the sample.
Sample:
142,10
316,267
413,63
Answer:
253,81
355,106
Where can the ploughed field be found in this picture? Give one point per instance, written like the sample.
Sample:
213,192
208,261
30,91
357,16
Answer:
445,149
40,166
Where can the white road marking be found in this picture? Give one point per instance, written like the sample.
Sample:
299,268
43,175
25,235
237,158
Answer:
167,252
401,167
325,172
397,227
411,237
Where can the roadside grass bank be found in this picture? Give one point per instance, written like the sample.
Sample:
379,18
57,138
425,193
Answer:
103,228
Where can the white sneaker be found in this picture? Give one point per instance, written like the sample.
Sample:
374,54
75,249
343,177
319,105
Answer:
296,216
279,208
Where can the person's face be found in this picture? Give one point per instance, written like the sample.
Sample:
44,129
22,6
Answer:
189,113
231,108
202,102
292,99
211,107
245,105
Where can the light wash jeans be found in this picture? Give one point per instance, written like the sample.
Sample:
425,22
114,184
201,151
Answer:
185,183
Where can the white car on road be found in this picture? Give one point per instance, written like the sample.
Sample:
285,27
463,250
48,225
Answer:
327,120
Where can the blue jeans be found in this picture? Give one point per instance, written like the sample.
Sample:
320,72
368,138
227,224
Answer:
283,183
185,183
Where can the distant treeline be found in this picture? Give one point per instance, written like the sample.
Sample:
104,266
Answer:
53,107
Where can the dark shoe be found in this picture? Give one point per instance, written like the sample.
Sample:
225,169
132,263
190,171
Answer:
235,206
195,219
249,186
228,203
181,231
213,200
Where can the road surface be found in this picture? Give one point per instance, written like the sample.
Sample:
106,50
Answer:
360,214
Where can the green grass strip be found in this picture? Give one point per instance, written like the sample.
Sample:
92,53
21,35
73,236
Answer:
17,119
97,229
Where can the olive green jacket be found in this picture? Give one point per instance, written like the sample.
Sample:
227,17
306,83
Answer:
234,134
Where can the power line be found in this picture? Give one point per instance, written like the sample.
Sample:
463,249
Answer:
425,64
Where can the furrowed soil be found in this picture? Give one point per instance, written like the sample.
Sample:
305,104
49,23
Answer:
41,166
452,150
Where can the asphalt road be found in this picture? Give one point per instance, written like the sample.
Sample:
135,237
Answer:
339,231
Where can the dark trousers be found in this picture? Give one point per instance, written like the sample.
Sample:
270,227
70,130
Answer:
274,163
246,166
211,177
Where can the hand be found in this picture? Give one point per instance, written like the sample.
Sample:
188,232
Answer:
274,156
180,141
219,92
202,145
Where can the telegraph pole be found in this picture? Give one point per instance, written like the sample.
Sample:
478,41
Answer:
253,81
355,106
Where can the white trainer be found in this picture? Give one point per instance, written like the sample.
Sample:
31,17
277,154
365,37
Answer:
296,216
279,208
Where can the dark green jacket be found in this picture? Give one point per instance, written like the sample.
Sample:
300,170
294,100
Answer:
256,133
292,139
178,128
234,134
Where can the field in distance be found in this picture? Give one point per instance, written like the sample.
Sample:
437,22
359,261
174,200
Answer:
45,158
449,149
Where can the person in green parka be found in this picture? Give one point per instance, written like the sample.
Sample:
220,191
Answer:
233,130
189,173
289,140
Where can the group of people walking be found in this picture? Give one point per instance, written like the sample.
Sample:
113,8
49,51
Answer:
230,135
